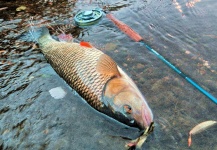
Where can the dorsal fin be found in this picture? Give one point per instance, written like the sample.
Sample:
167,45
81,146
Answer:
106,65
86,44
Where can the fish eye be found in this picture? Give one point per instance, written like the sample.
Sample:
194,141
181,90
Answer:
127,109
132,121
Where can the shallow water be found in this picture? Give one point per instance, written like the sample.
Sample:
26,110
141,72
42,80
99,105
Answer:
184,32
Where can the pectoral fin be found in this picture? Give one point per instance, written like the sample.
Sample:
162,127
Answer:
107,66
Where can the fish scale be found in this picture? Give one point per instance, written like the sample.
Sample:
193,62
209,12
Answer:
77,65
98,79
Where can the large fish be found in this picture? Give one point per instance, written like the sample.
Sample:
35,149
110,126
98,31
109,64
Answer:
98,79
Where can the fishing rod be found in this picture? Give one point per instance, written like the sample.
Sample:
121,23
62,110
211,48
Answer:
137,38
86,18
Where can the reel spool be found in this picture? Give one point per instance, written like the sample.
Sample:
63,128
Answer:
86,18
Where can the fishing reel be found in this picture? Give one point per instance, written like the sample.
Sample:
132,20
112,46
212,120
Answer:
88,17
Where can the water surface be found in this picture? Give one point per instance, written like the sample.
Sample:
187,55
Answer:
184,32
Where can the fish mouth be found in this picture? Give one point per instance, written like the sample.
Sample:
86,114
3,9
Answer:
147,117
147,130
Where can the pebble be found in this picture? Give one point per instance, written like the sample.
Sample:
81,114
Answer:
57,93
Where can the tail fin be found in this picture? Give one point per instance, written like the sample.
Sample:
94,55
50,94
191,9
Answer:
44,32
38,33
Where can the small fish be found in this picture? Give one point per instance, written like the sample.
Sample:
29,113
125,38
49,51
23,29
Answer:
98,79
199,128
